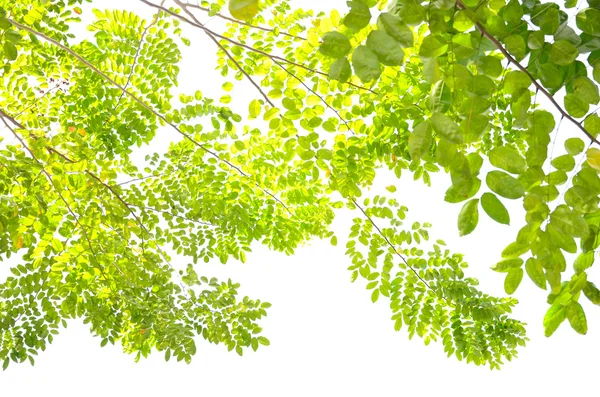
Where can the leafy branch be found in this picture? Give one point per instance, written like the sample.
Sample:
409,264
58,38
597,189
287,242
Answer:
145,106
534,81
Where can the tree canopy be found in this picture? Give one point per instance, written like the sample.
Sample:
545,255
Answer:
475,89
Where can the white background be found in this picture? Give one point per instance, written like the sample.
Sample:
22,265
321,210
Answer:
327,338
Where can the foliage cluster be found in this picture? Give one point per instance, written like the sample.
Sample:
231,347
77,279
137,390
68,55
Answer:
409,86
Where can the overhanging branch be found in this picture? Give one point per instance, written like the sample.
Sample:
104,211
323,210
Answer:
523,69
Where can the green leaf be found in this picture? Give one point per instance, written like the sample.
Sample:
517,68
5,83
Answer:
588,20
555,315
592,124
446,128
420,140
565,32
254,108
585,89
535,271
513,12
565,162
358,17
494,208
507,265
490,66
385,47
335,45
569,222
592,293
583,261
462,21
340,70
536,40
563,53
13,36
548,20
440,98
5,23
575,106
512,280
468,217
504,185
515,44
375,295
576,317
411,12
515,80
574,146
394,26
516,249
10,51
508,159
473,127
243,9
550,76
433,46
365,64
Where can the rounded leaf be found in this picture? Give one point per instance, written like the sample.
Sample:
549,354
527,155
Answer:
504,185
385,47
335,45
358,17
365,64
508,159
574,146
243,9
563,53
340,70
575,106
394,26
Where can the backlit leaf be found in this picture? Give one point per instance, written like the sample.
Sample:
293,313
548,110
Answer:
468,217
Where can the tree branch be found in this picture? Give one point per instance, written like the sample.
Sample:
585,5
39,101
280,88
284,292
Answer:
137,55
273,57
390,244
231,58
518,65
144,105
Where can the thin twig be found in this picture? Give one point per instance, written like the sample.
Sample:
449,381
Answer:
184,5
390,244
231,58
200,26
145,106
137,55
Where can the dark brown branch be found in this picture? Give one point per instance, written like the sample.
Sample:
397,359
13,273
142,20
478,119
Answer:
522,68
184,5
